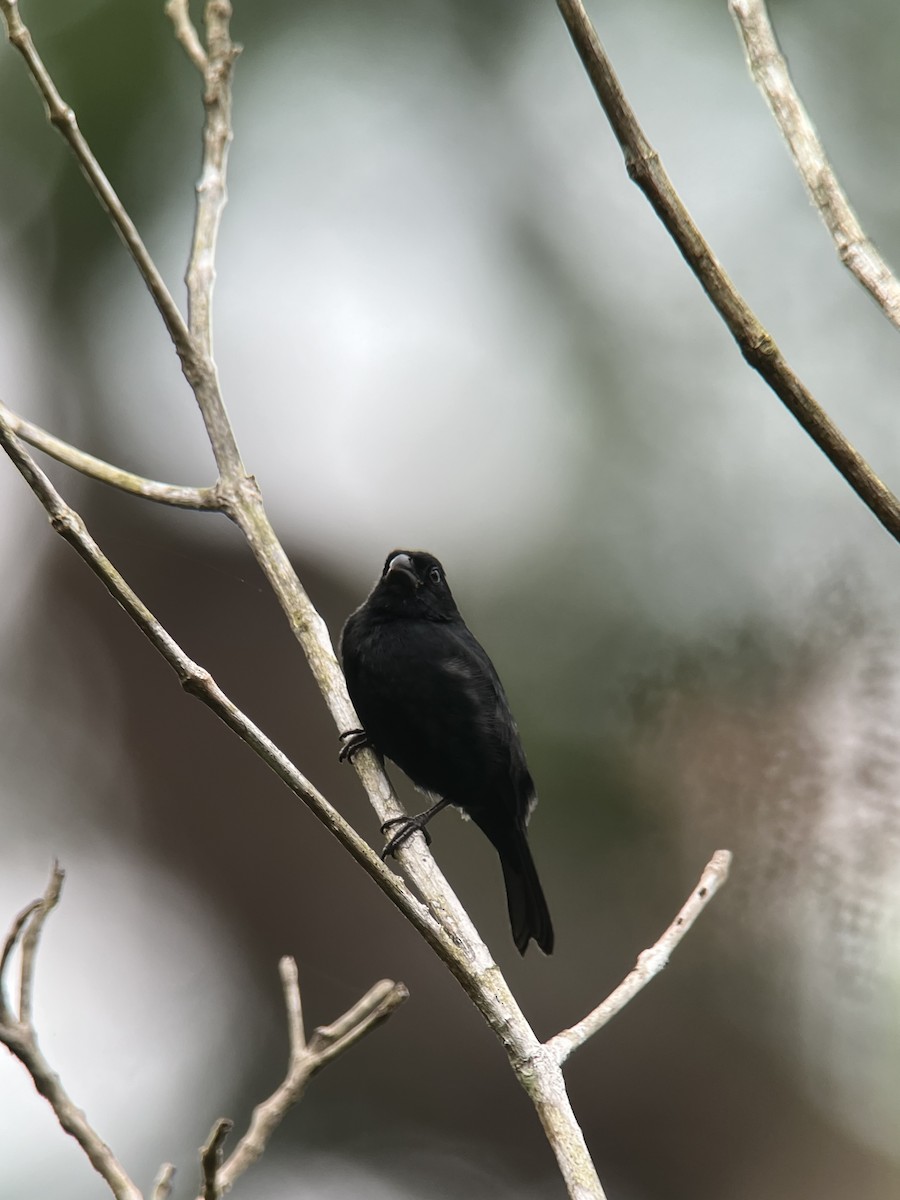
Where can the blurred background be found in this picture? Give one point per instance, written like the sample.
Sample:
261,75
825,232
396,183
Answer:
445,318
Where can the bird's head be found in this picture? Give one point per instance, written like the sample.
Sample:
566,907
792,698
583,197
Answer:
413,584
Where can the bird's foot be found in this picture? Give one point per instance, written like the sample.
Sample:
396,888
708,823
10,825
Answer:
408,826
353,739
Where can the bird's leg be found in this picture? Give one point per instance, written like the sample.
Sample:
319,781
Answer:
409,826
353,739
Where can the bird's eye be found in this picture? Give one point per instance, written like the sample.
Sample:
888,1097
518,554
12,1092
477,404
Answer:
434,575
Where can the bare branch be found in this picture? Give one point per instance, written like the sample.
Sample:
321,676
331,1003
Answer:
649,963
758,348
303,1062
18,1035
186,32
769,70
206,498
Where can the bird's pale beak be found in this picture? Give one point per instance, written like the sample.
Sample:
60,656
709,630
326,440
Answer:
402,564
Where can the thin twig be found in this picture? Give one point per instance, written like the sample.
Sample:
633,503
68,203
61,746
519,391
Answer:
12,939
304,1061
217,66
769,70
186,31
18,1035
649,963
212,193
293,1005
758,348
203,498
211,1158
330,1041
162,1185
30,940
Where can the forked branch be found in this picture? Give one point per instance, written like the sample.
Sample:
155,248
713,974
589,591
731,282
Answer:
304,1060
17,1032
649,963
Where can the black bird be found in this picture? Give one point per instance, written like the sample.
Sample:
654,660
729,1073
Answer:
430,700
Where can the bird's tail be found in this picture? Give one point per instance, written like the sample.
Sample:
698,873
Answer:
528,912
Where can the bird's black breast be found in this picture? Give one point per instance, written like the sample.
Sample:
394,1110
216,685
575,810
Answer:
430,700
